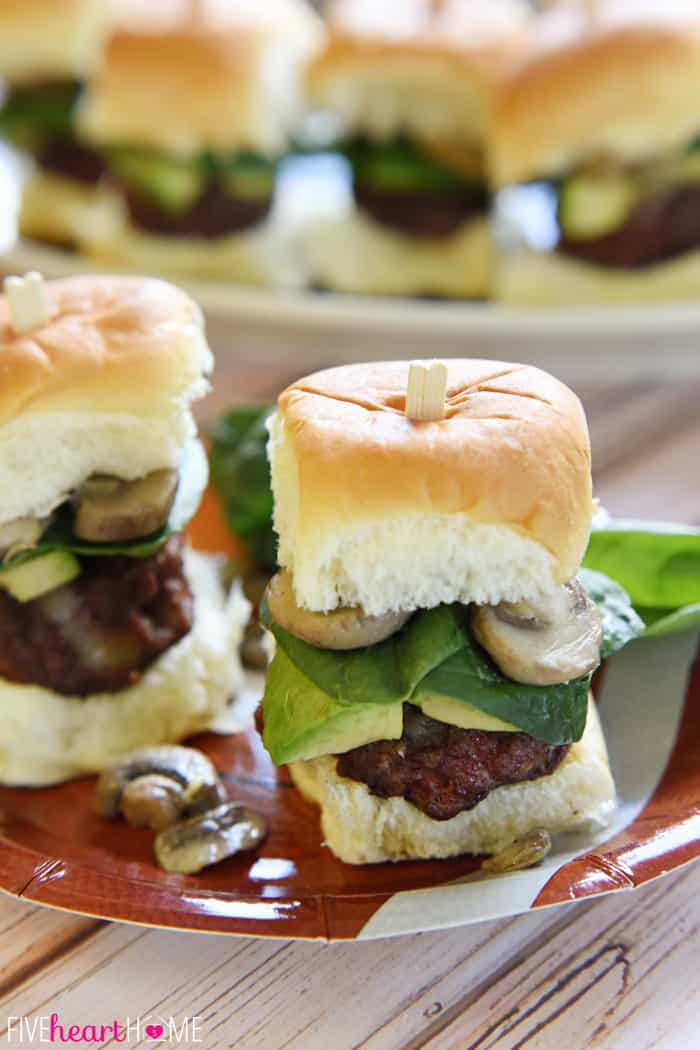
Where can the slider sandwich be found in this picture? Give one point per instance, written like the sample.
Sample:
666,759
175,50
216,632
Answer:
113,633
47,49
192,109
434,645
410,85
596,142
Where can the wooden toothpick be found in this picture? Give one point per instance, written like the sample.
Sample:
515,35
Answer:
427,386
25,297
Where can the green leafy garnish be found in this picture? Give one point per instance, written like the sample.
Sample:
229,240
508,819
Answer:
661,621
433,655
240,475
554,713
383,673
34,115
658,564
621,624
192,483
400,165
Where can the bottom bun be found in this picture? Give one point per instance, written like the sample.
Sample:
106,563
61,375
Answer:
261,255
60,210
46,738
355,254
361,828
536,279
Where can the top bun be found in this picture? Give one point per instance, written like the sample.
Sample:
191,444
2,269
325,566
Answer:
51,39
223,75
415,66
491,503
618,79
104,387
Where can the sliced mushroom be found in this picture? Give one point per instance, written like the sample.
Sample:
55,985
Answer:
543,643
341,629
155,786
194,844
523,853
110,510
21,534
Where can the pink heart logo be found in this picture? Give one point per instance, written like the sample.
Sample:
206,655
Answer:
154,1031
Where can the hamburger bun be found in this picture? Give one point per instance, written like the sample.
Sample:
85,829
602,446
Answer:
533,278
361,828
46,738
223,77
376,260
416,67
104,387
492,503
617,79
61,210
262,255
51,39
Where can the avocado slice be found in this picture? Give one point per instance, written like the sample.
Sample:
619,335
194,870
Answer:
173,183
461,714
400,166
592,205
30,579
248,175
302,721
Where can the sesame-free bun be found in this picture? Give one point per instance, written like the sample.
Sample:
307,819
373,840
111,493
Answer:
361,828
415,66
103,387
619,80
224,75
376,260
60,210
51,39
46,738
261,255
491,503
531,278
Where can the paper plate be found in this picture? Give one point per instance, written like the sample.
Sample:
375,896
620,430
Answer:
315,329
56,851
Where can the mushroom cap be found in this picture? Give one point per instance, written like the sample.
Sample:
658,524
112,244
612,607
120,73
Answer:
189,846
193,774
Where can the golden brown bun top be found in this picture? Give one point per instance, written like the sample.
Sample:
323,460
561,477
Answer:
183,76
513,449
51,39
480,35
616,79
112,344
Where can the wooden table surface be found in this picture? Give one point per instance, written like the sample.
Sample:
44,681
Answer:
622,971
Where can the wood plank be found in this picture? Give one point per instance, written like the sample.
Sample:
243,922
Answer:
32,937
604,969
622,976
268,993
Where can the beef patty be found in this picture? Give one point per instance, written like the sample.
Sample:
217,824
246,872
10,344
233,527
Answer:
214,214
424,213
443,770
68,158
663,226
101,631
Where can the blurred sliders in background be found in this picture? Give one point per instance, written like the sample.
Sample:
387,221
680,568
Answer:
398,171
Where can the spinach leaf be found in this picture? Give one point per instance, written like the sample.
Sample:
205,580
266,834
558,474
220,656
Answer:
555,713
661,621
192,483
435,655
658,564
384,673
240,475
621,624
302,721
